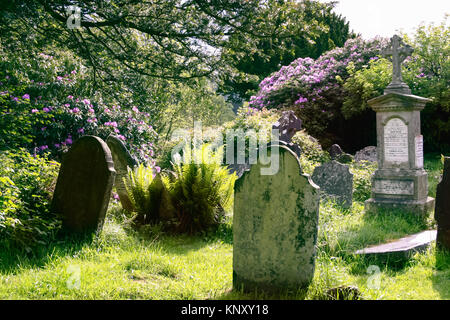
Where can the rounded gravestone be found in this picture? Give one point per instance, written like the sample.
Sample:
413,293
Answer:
122,160
84,184
367,154
335,181
335,151
275,225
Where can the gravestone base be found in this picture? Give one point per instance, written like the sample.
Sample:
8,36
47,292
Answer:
417,207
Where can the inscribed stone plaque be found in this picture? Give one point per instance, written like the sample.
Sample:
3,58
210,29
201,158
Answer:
335,181
396,141
275,227
84,184
394,187
419,151
122,160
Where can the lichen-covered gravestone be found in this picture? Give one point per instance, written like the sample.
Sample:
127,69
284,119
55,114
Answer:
275,226
84,184
335,181
367,154
122,160
442,208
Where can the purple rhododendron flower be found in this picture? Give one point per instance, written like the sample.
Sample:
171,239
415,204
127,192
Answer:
46,109
70,97
69,141
26,96
86,101
121,137
15,99
34,110
81,130
75,110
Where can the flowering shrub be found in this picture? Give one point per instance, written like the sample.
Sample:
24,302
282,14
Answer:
44,108
426,72
313,88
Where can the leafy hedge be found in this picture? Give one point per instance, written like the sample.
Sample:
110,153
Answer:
26,188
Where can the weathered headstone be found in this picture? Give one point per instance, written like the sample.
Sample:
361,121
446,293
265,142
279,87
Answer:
335,181
288,125
275,226
367,154
400,181
122,160
335,151
84,184
442,208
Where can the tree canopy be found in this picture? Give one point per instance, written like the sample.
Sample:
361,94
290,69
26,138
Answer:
170,39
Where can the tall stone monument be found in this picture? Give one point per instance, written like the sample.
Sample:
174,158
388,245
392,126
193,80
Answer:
400,181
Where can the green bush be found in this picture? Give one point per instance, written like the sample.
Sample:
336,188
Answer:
362,179
202,191
26,187
139,188
311,148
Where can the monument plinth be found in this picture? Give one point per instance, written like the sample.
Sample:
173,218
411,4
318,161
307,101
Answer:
400,181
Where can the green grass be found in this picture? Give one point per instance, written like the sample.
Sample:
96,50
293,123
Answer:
122,264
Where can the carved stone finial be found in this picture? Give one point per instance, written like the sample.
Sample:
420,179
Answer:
397,52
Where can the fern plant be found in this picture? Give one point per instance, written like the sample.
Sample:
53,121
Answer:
139,185
202,191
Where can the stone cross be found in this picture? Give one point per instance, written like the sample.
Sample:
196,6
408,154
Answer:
398,51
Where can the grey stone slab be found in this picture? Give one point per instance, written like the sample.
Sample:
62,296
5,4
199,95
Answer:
275,226
367,154
442,208
84,185
122,160
336,181
403,248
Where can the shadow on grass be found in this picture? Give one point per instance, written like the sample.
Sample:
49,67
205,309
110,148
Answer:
441,275
13,258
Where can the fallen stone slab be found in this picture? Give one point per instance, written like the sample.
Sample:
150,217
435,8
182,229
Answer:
402,249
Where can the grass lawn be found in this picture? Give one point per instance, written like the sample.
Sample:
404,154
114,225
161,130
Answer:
121,264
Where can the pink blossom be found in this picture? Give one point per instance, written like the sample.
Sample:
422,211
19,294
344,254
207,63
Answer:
34,110
26,96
